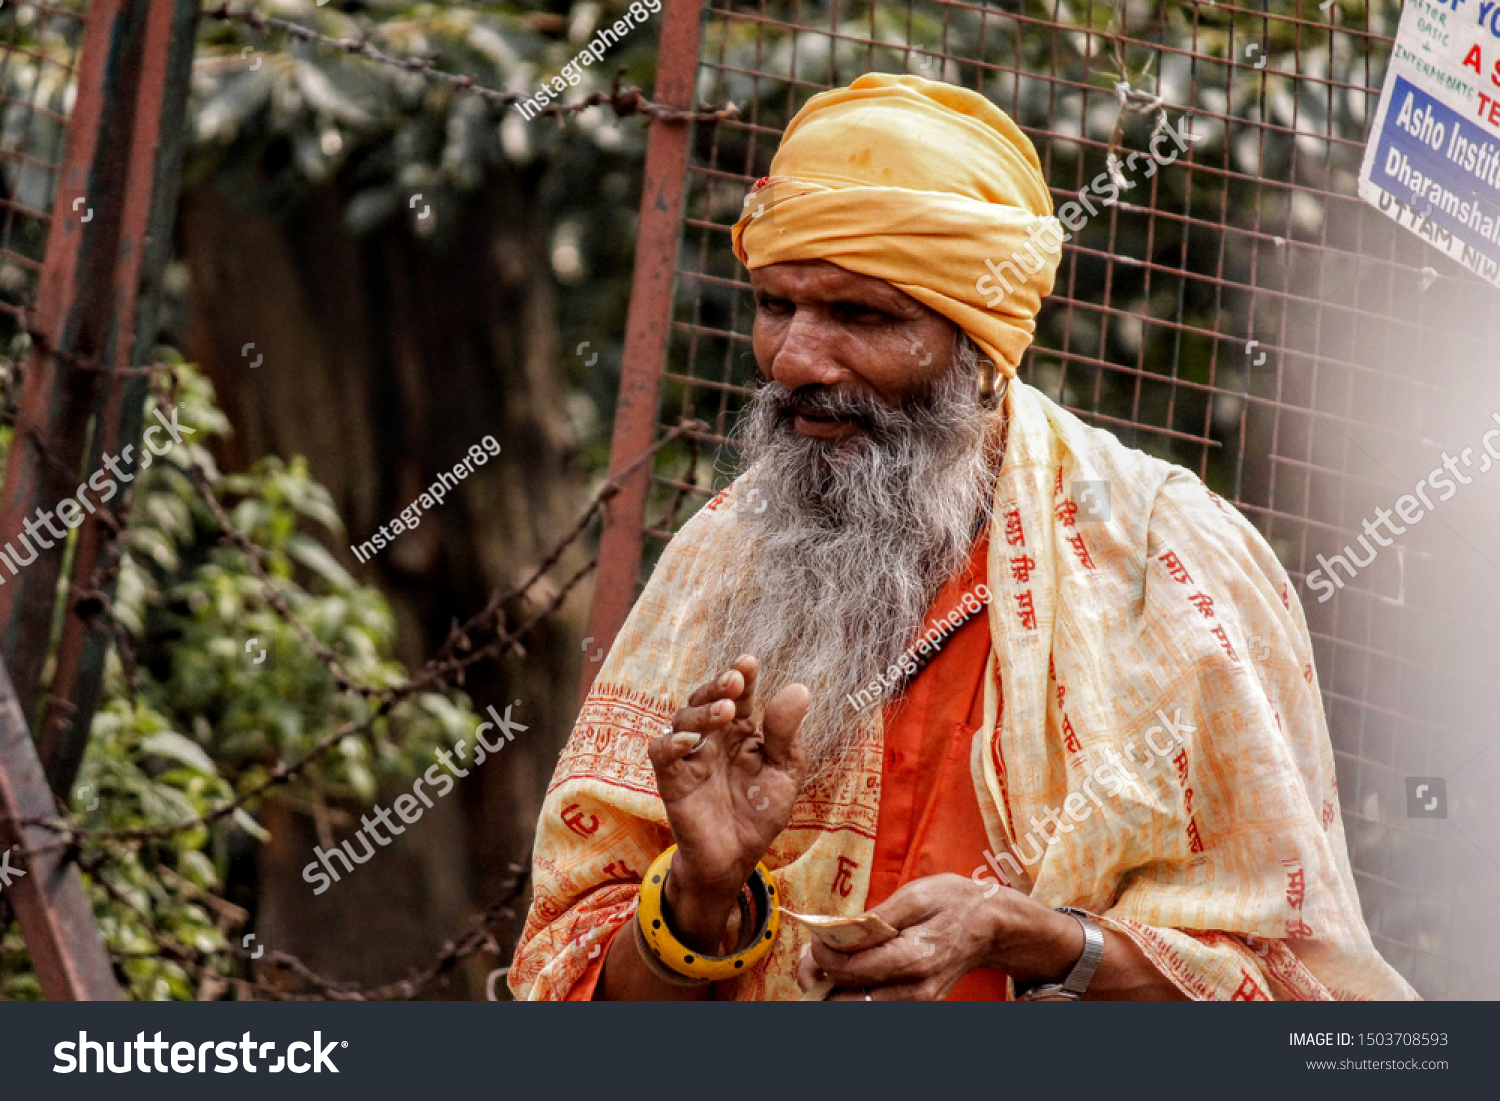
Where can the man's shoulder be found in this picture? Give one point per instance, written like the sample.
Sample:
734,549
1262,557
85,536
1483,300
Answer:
720,509
1094,448
1142,495
708,534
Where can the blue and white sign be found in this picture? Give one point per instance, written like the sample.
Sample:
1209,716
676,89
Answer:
1433,161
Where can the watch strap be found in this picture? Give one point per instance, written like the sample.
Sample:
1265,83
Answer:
1077,983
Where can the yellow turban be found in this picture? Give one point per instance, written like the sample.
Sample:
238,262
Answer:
918,183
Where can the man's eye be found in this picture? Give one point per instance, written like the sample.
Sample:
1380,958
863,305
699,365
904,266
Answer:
858,313
776,306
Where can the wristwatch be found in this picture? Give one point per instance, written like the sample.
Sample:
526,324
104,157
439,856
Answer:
1073,987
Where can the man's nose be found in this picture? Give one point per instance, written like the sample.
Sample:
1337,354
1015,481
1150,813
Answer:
808,356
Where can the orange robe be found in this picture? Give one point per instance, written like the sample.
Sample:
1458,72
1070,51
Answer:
929,812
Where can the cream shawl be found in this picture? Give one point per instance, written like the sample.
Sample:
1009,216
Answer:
1224,858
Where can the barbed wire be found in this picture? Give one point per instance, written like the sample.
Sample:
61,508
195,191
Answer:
443,671
476,937
447,669
623,101
489,618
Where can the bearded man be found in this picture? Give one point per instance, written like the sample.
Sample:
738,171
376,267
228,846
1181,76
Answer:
872,673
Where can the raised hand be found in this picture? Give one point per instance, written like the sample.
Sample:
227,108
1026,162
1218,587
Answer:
728,784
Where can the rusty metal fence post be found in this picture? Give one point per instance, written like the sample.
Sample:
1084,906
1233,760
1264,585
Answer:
111,220
48,898
648,326
157,144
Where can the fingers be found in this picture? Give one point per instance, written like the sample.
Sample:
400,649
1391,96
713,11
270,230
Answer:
910,909
735,683
712,706
726,686
783,718
667,749
893,962
808,972
705,718
748,667
689,729
916,901
815,983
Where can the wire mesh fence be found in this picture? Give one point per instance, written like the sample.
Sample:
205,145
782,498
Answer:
1240,312
38,58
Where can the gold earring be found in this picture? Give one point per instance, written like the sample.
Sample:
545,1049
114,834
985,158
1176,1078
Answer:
987,375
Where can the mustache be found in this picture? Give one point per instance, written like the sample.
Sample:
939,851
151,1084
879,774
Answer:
865,410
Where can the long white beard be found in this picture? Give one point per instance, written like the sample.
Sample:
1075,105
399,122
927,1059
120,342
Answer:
848,542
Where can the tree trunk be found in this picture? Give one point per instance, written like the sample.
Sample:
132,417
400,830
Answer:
384,359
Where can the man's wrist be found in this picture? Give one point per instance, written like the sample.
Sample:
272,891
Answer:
1038,946
698,918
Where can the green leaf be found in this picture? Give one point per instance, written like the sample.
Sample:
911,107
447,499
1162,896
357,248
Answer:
325,95
315,557
250,825
171,744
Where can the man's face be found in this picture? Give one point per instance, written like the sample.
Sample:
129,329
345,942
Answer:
873,458
819,326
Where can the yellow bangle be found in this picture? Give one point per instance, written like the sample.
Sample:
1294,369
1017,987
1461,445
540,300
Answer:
657,935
